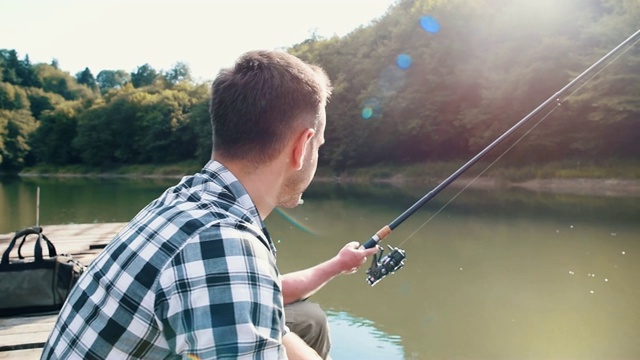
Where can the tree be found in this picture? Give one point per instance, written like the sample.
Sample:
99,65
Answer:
85,77
112,79
145,125
145,75
10,67
27,74
57,81
200,120
106,132
13,97
41,101
483,71
179,73
52,142
15,128
15,71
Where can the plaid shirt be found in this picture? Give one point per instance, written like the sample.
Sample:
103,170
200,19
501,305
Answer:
192,276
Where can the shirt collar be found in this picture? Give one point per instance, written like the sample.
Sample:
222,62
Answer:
224,178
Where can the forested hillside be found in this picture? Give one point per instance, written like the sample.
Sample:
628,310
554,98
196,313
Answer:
488,64
430,80
48,116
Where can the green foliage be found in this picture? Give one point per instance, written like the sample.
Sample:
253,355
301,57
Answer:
179,73
491,63
59,82
41,101
201,122
31,93
144,75
50,142
133,126
112,79
86,78
15,128
13,97
15,71
485,69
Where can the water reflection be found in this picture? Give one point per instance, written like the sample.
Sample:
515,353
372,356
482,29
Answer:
489,277
497,275
74,200
358,338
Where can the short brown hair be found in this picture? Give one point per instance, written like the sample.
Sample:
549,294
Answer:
259,103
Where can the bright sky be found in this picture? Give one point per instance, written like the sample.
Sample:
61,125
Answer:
205,34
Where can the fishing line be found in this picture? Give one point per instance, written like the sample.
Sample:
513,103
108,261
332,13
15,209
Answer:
558,104
383,266
478,176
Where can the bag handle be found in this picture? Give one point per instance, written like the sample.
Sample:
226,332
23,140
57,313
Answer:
52,249
36,230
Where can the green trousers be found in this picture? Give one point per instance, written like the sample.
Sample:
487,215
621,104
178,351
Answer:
307,320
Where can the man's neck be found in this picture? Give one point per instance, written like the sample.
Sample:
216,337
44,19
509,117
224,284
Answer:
262,183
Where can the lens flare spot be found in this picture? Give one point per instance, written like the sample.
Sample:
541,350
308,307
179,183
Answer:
371,109
367,113
429,24
404,61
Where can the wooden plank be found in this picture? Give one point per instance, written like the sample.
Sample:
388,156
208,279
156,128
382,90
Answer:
25,332
28,354
74,239
10,322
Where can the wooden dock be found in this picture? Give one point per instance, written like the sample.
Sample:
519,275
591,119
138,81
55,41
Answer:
23,337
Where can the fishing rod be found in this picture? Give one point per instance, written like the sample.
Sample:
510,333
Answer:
383,266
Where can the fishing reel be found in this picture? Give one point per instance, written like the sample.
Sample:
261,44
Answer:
383,266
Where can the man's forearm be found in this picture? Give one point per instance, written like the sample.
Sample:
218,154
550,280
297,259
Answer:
304,283
297,349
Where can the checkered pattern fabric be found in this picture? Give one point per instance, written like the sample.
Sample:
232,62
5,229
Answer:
193,275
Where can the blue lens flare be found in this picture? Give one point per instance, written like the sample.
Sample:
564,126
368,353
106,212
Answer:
367,113
371,109
429,24
403,61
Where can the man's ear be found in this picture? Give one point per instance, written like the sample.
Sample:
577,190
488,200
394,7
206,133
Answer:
300,143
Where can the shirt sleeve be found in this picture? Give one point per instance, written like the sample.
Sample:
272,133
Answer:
220,297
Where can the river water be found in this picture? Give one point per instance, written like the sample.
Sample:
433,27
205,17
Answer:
497,274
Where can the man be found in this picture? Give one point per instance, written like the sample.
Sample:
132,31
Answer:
194,274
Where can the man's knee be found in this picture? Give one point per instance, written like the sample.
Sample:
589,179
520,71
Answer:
309,321
305,316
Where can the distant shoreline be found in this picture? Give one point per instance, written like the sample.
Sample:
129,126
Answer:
577,186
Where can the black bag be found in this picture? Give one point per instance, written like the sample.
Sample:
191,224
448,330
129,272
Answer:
40,285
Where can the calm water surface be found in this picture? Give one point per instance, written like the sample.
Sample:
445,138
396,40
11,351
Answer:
498,274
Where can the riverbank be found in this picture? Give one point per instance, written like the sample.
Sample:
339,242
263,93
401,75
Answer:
598,187
614,178
610,179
